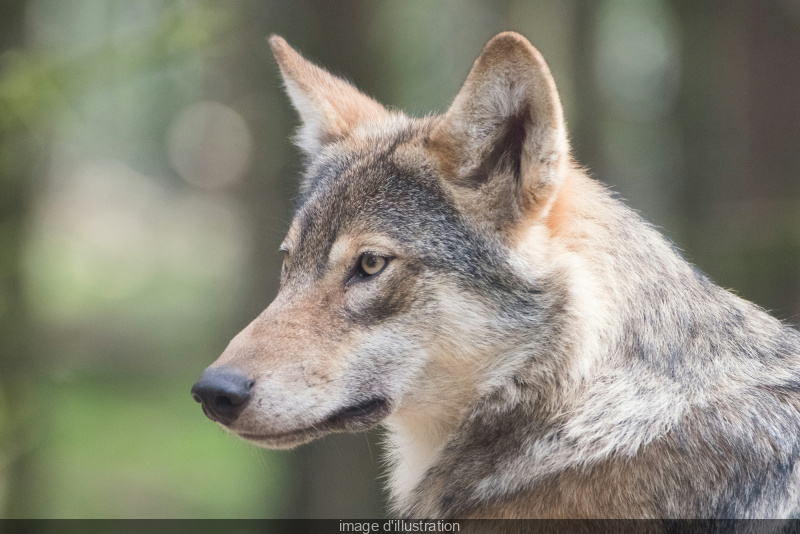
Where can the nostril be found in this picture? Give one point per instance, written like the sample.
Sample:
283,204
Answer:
223,393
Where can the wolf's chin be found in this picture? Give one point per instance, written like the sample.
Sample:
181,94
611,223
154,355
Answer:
355,418
288,440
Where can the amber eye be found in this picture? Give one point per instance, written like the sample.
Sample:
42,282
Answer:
371,264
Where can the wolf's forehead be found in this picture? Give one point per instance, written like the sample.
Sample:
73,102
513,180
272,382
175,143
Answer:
389,172
367,195
384,189
370,158
399,194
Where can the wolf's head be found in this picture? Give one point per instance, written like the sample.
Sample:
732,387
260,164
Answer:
405,280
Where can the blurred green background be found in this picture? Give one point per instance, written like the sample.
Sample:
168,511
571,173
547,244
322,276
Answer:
146,180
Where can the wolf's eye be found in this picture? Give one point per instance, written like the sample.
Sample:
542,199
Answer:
370,264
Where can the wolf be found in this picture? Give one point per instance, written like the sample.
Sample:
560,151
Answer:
532,346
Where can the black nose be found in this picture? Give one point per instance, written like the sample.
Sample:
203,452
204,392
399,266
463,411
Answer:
223,392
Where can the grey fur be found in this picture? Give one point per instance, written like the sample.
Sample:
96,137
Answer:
616,380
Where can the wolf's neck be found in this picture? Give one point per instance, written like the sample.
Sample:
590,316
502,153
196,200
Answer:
414,442
585,314
457,379
624,306
565,343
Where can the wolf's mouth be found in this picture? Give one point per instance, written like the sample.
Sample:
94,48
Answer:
359,411
356,418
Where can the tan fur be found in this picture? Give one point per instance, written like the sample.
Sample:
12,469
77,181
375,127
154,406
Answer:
454,376
510,77
330,107
537,349
303,364
561,213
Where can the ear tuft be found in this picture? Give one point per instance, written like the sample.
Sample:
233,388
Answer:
329,107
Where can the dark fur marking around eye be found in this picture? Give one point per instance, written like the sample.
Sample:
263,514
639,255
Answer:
393,298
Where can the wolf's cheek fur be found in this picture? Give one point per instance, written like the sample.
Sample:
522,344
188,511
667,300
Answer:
293,364
374,300
319,351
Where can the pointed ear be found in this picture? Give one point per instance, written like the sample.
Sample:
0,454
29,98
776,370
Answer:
328,106
503,143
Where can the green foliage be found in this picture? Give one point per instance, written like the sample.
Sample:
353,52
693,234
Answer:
121,446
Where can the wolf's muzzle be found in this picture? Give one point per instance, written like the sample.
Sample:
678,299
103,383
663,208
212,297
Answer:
223,392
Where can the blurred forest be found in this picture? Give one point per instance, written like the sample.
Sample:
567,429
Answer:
147,178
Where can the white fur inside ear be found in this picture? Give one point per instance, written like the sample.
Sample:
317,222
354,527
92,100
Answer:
329,107
508,88
504,99
309,135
